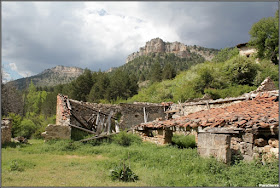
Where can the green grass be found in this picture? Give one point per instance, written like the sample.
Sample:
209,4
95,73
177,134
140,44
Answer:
68,163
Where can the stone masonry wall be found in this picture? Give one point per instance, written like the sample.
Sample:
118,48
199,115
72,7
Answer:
159,136
6,130
185,109
133,114
62,111
57,132
216,145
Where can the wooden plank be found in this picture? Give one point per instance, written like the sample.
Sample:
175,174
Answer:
97,137
100,112
68,104
79,120
86,130
145,117
109,123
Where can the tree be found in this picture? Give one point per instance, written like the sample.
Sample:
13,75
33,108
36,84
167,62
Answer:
265,37
99,89
156,72
168,71
80,88
119,85
241,70
11,100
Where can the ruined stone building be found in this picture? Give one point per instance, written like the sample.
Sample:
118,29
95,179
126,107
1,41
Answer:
245,49
246,129
73,114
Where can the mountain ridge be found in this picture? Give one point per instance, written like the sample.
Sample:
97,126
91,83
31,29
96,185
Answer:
50,77
157,45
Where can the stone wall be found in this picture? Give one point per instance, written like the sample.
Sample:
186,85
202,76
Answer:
247,145
157,136
187,108
62,111
216,145
57,132
133,114
6,130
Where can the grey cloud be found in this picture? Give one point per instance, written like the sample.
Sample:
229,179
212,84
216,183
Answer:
35,41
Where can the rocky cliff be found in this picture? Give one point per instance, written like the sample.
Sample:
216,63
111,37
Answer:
49,77
157,45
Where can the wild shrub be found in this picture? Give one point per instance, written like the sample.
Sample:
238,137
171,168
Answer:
126,139
26,129
123,172
182,141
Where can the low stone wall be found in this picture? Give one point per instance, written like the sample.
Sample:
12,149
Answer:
216,145
57,132
158,136
6,130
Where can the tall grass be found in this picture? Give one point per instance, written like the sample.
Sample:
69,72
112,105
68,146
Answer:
78,164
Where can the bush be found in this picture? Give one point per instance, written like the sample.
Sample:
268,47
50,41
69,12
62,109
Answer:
182,141
27,128
123,173
126,139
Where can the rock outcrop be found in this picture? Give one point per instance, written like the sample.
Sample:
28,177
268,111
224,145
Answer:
157,45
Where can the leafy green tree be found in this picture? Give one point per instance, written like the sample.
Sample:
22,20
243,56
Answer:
241,70
265,37
204,79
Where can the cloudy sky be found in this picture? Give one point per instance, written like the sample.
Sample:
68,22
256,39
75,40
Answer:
99,35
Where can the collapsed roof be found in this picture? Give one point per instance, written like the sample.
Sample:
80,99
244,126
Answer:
261,111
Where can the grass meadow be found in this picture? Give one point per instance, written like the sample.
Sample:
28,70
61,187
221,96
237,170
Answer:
68,163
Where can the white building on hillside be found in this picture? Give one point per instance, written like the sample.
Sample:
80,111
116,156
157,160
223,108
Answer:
245,49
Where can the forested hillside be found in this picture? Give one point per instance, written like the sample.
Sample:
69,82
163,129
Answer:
157,67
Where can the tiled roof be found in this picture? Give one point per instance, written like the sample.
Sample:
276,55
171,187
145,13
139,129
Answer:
262,111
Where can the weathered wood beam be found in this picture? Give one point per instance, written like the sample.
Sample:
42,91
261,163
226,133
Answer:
86,130
79,120
97,137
